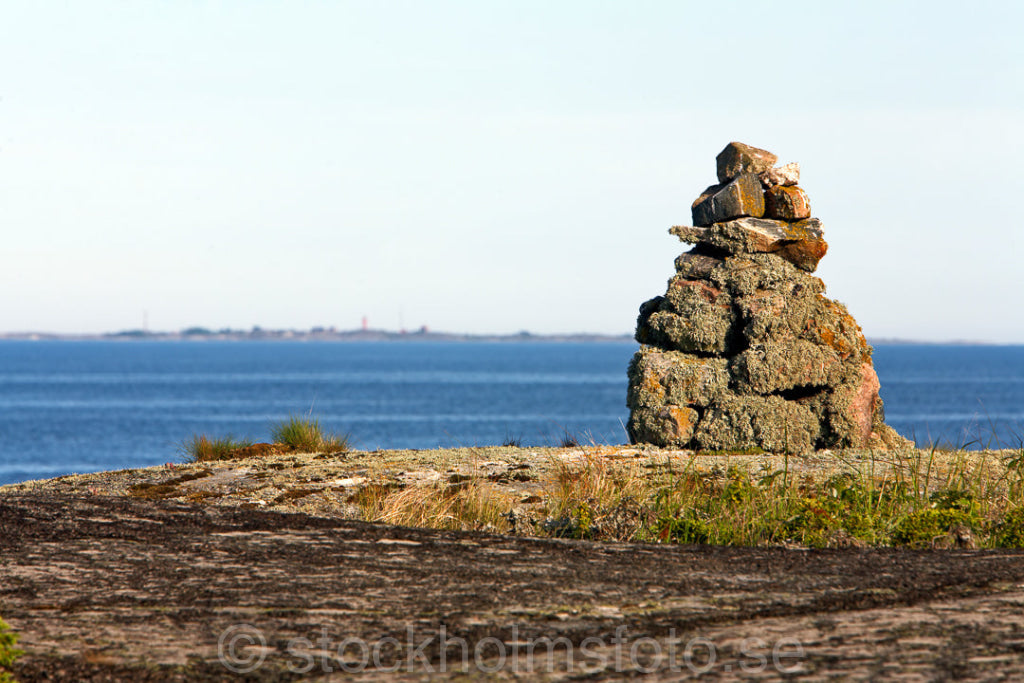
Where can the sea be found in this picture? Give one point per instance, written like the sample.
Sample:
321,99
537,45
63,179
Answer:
82,406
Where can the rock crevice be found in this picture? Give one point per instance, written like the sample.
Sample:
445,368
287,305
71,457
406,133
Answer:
744,350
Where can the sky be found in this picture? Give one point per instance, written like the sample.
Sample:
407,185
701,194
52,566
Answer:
487,166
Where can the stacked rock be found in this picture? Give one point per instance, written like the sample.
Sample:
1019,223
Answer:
744,351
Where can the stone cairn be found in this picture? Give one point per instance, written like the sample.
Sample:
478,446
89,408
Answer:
744,351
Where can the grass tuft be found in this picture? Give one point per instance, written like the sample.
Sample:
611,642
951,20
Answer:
202,448
470,505
306,435
512,441
592,499
569,440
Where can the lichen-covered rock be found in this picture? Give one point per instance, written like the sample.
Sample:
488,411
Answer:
658,377
885,438
758,235
741,196
850,412
744,350
783,175
815,319
665,426
780,366
787,203
739,158
831,325
684,294
745,274
704,328
802,243
697,265
770,423
690,234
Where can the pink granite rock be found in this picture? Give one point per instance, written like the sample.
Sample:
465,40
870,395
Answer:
862,407
783,175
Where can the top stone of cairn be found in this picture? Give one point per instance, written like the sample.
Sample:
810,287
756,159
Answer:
738,158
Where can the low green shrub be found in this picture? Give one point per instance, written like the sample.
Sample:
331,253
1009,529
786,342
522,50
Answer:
685,527
9,654
926,528
1008,532
911,502
949,511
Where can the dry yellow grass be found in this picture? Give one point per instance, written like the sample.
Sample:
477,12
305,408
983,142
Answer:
466,506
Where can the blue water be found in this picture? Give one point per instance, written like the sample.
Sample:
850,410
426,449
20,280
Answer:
87,406
961,396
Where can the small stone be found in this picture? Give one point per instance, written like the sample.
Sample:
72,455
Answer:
783,175
689,233
738,158
696,265
649,308
808,245
787,203
739,197
885,438
804,254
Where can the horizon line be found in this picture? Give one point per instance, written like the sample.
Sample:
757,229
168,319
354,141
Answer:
257,332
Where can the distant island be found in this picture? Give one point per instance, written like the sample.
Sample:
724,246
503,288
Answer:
332,334
326,334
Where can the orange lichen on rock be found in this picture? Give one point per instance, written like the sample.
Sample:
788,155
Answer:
804,254
787,202
742,196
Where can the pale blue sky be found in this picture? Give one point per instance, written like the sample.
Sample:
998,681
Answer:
494,166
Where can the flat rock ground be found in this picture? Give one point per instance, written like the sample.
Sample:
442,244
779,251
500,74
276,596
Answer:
110,587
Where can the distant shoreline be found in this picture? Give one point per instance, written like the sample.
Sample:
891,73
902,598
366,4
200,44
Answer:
394,336
319,334
316,335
